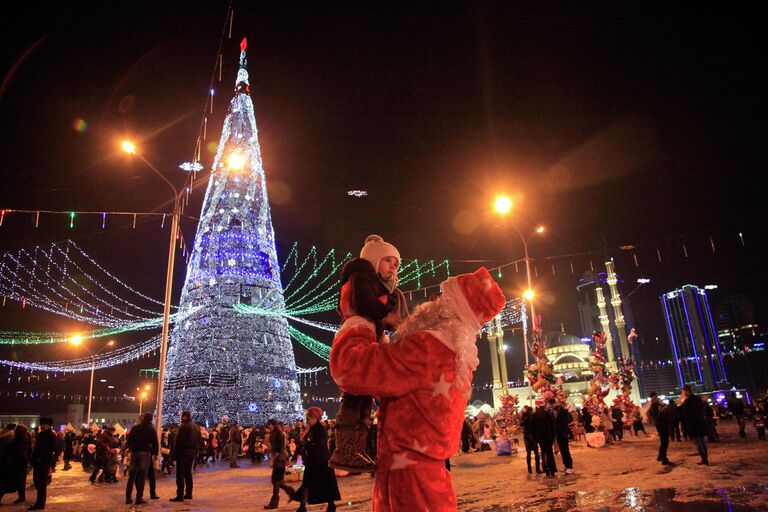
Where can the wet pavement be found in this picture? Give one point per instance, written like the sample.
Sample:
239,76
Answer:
623,477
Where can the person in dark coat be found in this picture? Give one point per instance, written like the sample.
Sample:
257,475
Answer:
736,406
13,464
142,444
319,484
185,452
42,461
69,441
562,433
544,433
695,422
100,458
529,439
662,417
617,420
278,456
673,415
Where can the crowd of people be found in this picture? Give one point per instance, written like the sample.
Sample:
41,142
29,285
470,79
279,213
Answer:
107,456
551,427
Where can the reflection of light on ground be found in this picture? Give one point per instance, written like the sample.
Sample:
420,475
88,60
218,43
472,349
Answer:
632,495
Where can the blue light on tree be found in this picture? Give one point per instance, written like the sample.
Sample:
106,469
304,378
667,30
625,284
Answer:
223,362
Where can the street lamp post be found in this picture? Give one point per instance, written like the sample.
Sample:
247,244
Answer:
90,390
141,401
129,147
77,340
528,295
503,205
142,396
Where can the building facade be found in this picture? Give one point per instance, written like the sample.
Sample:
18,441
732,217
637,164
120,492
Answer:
692,335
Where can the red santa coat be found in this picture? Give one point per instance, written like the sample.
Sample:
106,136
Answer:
421,411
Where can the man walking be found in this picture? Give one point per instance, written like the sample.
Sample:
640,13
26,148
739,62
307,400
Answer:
42,461
544,433
187,443
235,442
142,443
736,406
695,423
563,431
660,418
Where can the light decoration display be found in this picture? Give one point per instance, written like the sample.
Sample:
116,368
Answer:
599,386
220,361
62,279
603,379
541,372
121,355
191,166
357,193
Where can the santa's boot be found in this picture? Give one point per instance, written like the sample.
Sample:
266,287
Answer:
350,450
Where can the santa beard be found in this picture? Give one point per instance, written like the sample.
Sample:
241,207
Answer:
440,317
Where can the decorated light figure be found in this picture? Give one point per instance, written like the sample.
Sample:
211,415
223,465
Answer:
222,361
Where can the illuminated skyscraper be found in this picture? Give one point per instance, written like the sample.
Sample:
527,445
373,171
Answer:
692,334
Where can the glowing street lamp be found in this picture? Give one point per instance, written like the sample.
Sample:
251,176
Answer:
503,205
168,284
78,340
141,400
128,147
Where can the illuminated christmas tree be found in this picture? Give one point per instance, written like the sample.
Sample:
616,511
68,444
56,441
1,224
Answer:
221,362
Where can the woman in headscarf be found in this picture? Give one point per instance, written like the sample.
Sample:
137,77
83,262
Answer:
319,483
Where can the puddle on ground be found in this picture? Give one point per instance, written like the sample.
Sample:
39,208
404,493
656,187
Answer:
635,499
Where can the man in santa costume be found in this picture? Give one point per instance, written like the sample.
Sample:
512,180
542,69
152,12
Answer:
423,379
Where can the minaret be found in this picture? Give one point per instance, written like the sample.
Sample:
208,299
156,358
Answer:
605,322
618,314
221,362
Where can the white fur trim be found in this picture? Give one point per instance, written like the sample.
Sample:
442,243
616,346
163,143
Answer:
458,346
356,321
451,287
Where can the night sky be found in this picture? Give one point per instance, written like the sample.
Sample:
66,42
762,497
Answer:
611,127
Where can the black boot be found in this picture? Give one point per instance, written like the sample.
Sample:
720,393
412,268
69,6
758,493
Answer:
273,503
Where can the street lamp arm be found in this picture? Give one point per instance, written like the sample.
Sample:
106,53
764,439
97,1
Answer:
167,181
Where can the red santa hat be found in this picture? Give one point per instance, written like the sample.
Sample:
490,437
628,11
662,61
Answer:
376,248
477,297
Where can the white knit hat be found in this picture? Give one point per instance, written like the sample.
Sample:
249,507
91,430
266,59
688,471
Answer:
376,248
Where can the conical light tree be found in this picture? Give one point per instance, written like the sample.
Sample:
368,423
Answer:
221,362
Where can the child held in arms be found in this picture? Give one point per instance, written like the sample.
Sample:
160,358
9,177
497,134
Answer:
368,289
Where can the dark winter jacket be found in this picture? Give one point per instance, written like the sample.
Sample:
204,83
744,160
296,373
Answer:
316,446
13,463
543,426
188,437
143,438
364,294
563,422
735,405
45,445
694,415
658,415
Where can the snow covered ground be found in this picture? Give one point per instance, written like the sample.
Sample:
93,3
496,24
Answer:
619,477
